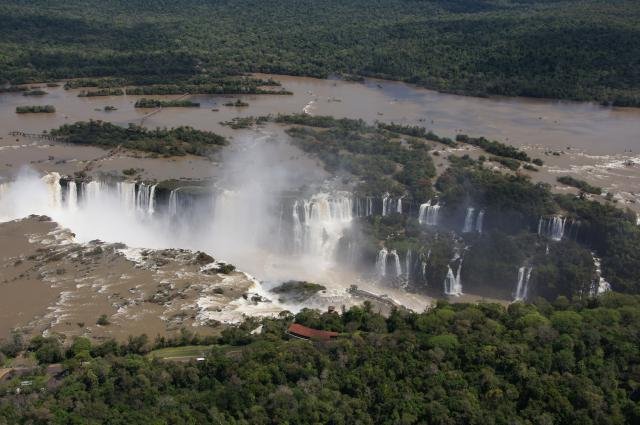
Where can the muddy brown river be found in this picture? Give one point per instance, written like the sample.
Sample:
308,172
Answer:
586,140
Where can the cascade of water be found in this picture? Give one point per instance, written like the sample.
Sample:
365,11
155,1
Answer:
452,282
600,285
72,196
91,191
422,213
428,214
408,264
522,285
152,200
369,206
468,221
55,190
381,262
396,262
142,197
297,229
127,195
324,219
173,203
399,206
556,227
479,221
432,215
540,221
553,227
385,204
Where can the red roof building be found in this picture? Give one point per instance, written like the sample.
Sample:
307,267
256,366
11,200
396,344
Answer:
304,332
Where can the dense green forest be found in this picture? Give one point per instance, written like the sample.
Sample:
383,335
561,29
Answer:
35,109
571,49
168,142
541,363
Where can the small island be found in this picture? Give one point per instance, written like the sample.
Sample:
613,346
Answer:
35,109
155,103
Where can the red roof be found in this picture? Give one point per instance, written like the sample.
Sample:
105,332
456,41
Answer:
309,333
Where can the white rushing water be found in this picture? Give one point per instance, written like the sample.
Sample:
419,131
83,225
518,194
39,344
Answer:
396,262
479,221
428,214
522,285
385,204
600,284
381,262
324,219
452,282
72,196
468,221
553,227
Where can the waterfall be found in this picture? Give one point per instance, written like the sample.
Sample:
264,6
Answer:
173,202
553,227
600,284
145,198
55,190
72,196
428,214
385,204
522,285
381,262
127,195
297,229
369,206
396,262
468,221
479,221
152,200
91,191
323,222
422,213
407,264
399,206
557,228
452,283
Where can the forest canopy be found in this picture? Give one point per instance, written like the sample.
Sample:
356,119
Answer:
574,49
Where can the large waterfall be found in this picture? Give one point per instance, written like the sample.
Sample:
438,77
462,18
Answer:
72,196
386,200
600,284
452,282
381,262
553,227
468,221
396,262
173,203
408,265
319,223
145,198
52,180
522,285
428,214
479,221
473,221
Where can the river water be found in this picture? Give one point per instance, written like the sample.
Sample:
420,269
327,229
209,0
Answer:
586,140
